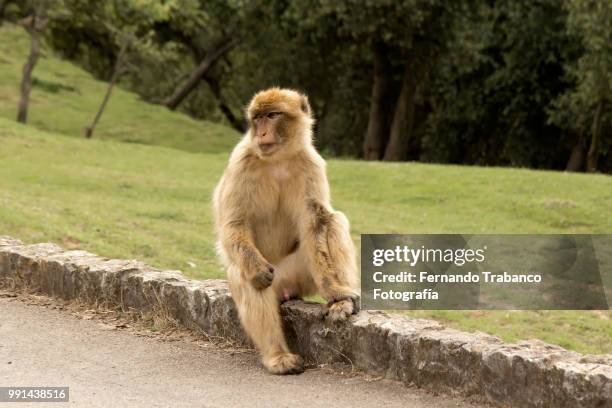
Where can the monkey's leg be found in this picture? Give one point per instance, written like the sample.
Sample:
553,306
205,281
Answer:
260,316
332,255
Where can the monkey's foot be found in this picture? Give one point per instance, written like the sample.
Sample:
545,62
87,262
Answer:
342,309
285,363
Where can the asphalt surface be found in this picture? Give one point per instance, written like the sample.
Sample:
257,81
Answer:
42,346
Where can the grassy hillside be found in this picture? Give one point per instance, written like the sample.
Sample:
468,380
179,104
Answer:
65,99
153,203
129,200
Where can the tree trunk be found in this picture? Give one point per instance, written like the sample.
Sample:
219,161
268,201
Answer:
403,118
3,4
235,122
593,154
211,58
35,25
118,70
378,122
575,162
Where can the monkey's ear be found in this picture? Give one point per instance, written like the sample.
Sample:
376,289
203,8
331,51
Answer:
305,105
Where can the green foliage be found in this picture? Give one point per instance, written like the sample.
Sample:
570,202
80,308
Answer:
359,23
512,83
348,31
180,39
493,88
92,33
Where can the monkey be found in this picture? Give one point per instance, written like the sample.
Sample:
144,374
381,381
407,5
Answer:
277,234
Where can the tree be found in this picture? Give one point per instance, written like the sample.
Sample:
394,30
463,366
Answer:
100,36
34,24
209,30
168,39
413,82
381,105
3,5
585,108
212,56
120,67
493,85
224,107
404,39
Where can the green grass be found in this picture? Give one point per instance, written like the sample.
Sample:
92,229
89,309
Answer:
152,203
116,199
65,99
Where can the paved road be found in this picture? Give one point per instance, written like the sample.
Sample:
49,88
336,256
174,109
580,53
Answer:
115,368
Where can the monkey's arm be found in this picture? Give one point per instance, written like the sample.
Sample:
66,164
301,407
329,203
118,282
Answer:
239,247
325,234
235,233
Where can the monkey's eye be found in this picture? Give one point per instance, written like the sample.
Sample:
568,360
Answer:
271,115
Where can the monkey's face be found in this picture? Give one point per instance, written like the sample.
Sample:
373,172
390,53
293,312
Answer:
280,122
267,132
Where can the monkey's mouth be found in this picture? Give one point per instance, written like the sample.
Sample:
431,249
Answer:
268,148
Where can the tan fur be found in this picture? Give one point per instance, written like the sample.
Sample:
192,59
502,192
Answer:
273,213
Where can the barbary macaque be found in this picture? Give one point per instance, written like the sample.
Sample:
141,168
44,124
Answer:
277,233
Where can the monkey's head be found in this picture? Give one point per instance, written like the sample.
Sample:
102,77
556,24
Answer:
280,122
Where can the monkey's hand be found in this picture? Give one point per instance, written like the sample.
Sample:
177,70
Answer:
340,308
263,276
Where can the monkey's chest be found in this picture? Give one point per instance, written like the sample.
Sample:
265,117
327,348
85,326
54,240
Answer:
277,208
275,234
276,224
280,175
277,195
